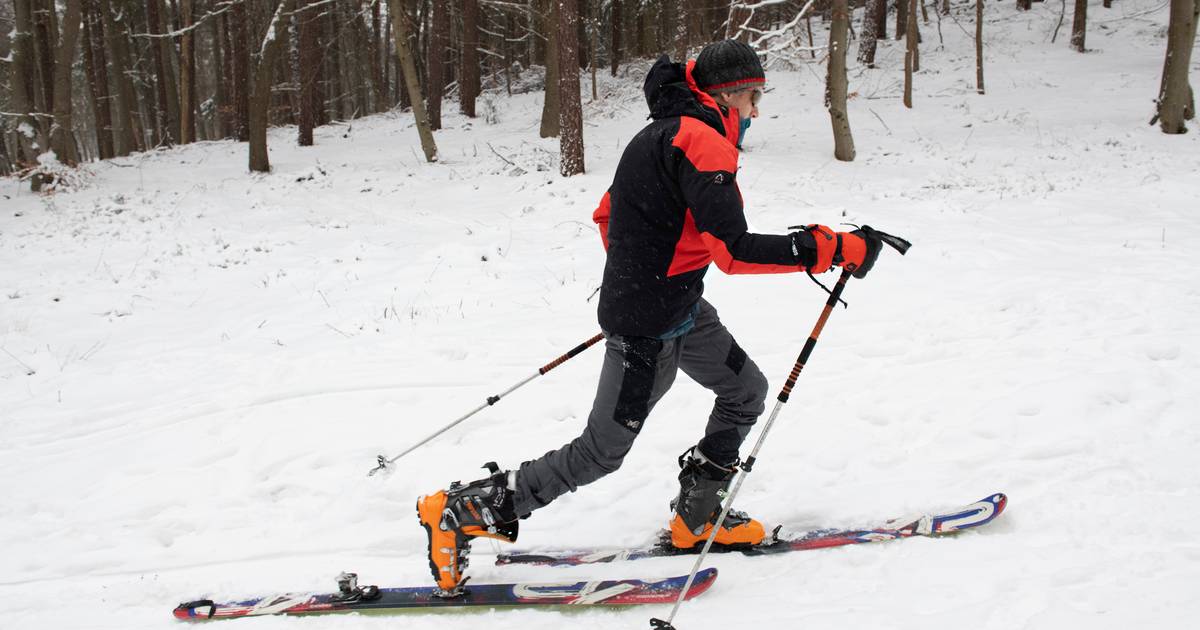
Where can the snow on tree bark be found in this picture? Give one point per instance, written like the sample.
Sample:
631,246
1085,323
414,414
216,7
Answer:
870,31
869,42
32,141
570,113
260,90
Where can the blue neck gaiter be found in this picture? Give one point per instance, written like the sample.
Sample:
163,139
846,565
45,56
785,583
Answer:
745,124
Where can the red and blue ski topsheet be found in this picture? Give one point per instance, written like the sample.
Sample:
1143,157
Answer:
606,592
975,514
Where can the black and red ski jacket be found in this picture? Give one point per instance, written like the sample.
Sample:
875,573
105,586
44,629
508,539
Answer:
673,208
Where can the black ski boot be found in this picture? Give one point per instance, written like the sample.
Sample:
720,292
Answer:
702,487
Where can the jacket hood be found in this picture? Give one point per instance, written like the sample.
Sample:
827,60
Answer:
671,91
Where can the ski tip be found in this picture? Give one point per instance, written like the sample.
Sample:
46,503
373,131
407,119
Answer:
199,609
999,500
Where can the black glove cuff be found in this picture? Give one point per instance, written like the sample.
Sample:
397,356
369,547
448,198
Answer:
804,248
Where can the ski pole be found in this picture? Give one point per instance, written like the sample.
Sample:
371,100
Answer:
748,465
384,462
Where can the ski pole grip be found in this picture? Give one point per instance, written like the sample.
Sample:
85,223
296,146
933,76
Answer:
570,354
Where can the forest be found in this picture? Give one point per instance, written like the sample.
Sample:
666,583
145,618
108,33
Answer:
94,79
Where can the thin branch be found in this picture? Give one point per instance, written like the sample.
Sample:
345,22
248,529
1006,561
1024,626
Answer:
16,115
227,6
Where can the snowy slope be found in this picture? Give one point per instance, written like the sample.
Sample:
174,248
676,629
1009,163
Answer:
200,365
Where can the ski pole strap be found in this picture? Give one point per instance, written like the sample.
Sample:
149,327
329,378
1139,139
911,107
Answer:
834,296
572,353
899,244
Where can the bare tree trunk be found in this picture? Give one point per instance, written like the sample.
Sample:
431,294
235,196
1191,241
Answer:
550,106
187,75
164,84
581,48
402,21
309,22
1024,5
62,139
6,164
509,31
123,125
594,44
220,122
31,134
335,93
1079,26
409,70
439,41
285,105
239,81
96,66
360,62
617,27
910,52
570,113
44,42
260,98
1176,101
901,19
836,83
979,46
391,69
870,31
378,76
468,81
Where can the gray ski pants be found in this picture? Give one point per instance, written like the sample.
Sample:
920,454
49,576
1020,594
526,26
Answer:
637,372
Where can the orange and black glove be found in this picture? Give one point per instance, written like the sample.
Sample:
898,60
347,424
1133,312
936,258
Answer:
819,248
858,250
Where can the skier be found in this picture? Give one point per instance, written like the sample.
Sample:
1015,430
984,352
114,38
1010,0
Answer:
673,208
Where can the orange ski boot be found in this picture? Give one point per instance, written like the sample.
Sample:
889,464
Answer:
702,486
454,516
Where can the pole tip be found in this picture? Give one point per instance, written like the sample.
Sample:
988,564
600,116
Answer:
381,465
659,624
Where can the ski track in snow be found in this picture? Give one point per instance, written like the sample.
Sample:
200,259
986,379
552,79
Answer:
218,357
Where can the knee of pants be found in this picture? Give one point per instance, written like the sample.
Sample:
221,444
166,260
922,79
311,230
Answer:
596,456
756,392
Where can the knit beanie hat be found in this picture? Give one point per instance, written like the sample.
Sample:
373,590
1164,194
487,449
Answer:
727,66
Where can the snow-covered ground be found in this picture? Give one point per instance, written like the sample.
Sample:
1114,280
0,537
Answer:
199,366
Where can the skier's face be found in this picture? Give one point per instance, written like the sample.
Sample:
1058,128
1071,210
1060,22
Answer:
745,101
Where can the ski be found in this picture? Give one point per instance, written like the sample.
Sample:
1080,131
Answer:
969,516
370,599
